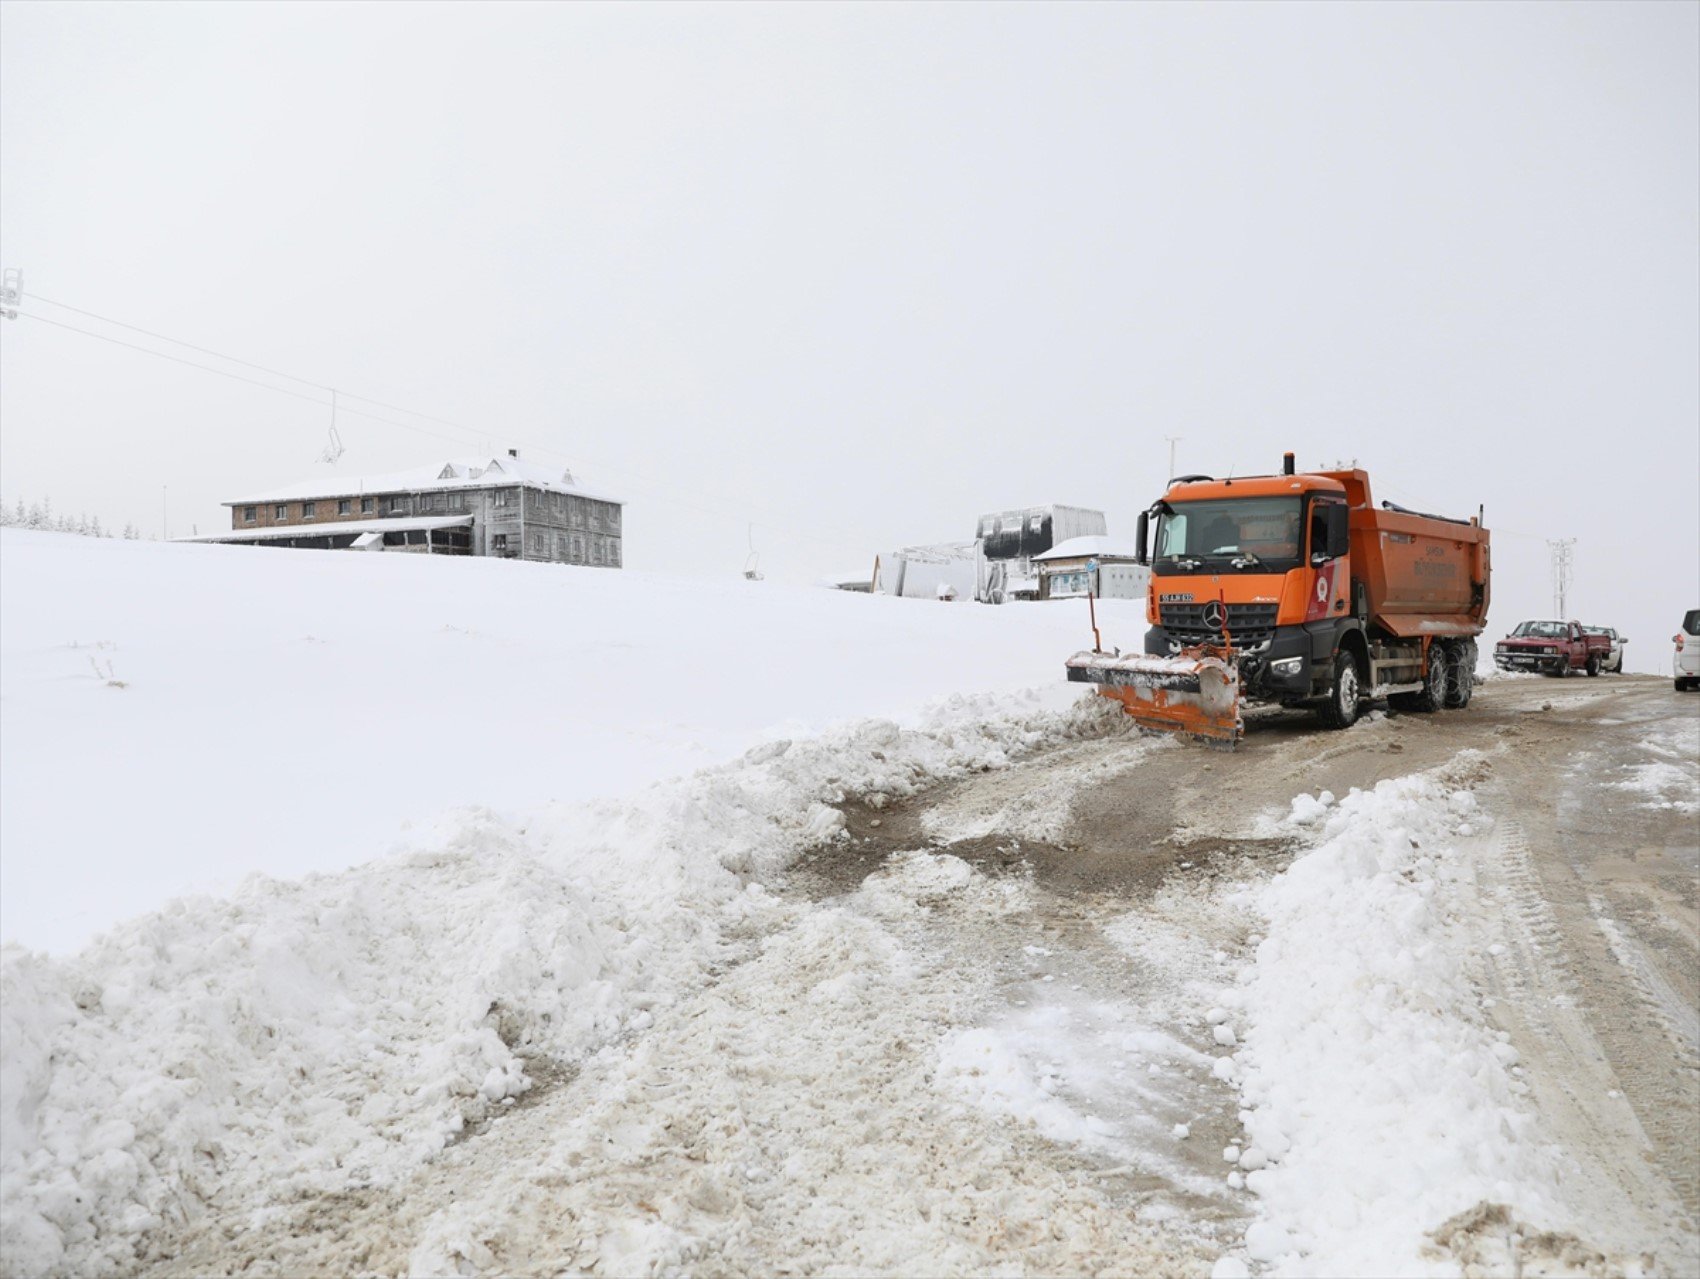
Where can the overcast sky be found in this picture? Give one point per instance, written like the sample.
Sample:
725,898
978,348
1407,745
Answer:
858,274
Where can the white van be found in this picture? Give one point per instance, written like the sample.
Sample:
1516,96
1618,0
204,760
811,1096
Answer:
1685,663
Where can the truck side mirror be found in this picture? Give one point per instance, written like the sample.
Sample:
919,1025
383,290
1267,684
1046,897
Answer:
1336,516
1141,527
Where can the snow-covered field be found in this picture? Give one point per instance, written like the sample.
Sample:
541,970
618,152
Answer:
174,717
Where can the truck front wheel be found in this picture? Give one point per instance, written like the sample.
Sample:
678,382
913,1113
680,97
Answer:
1341,708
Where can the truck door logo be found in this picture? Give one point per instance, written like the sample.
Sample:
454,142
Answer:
1318,608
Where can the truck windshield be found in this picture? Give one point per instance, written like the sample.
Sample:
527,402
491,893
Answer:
1541,630
1248,534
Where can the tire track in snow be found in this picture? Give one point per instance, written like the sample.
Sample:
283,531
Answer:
1597,1077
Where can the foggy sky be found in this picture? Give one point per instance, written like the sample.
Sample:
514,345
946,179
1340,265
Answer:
857,274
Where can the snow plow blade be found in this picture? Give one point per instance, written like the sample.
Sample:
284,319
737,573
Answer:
1195,692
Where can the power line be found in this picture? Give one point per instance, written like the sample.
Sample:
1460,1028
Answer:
107,319
479,435
207,368
364,399
175,359
249,364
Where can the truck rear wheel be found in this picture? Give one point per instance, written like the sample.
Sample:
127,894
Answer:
1341,708
1593,667
1461,677
1436,687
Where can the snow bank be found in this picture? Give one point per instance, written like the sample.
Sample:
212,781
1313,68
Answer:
1379,1101
173,717
329,1034
1672,778
1666,785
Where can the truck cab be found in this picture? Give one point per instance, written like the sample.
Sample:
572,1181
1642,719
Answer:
1261,561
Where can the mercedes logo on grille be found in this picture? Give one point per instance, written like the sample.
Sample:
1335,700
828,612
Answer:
1213,615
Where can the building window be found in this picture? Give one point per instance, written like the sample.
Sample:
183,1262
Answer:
366,505
454,500
499,543
398,506
248,514
537,543
345,507
280,512
560,546
613,517
307,509
556,501
502,497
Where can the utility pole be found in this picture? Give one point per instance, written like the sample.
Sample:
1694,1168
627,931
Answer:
1173,440
1562,558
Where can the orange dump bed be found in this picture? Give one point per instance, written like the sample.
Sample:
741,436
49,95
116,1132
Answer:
1424,575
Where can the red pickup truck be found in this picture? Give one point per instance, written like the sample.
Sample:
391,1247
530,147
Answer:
1552,648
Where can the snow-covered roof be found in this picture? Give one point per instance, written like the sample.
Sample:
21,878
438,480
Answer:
382,525
455,473
1096,544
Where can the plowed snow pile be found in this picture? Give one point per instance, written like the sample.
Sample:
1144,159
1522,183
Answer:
1380,1103
335,1033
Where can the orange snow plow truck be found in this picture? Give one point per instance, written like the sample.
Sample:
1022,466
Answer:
1296,589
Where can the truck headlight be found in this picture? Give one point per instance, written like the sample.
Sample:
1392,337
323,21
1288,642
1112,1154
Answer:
1286,665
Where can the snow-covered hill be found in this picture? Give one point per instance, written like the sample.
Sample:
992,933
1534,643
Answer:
173,717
